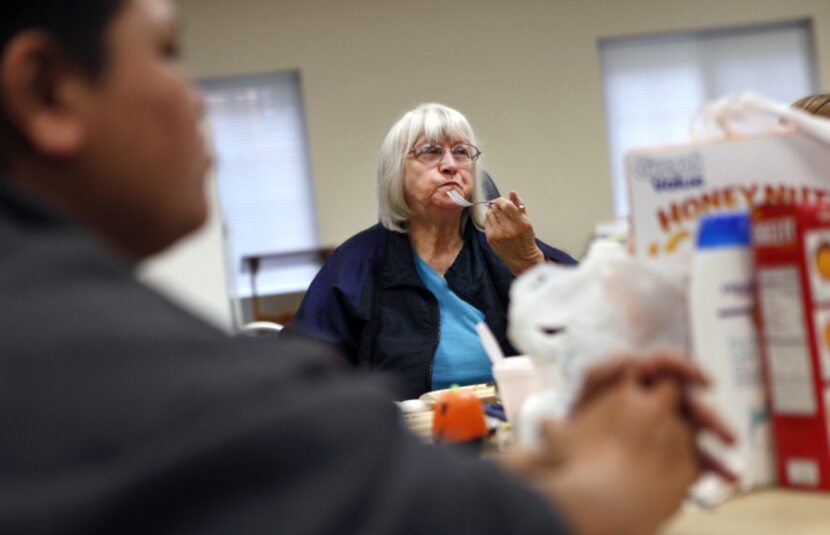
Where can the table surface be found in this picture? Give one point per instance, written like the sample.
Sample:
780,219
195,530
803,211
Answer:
766,512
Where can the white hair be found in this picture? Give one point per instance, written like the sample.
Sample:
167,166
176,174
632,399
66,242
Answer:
436,123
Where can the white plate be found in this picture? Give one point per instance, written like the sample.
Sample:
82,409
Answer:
485,392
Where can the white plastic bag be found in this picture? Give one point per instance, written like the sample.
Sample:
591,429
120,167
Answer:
743,114
571,318
611,303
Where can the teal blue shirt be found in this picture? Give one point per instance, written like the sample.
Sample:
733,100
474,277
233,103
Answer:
460,357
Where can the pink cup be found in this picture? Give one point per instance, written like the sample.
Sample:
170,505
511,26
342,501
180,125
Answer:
516,379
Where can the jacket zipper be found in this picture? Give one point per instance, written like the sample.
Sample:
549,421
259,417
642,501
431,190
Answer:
436,317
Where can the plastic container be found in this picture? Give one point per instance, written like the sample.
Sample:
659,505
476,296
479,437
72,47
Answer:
725,344
516,378
551,403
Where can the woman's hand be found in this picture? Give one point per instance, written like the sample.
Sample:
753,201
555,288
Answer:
510,234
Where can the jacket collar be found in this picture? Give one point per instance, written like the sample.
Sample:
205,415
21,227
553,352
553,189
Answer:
21,209
398,267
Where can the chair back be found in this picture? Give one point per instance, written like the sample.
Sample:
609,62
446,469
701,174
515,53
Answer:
260,328
491,191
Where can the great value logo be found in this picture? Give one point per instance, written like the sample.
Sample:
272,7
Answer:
671,174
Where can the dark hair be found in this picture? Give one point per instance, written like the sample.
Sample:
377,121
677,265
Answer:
815,104
78,26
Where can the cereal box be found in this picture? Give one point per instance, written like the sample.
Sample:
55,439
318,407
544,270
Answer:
792,261
672,187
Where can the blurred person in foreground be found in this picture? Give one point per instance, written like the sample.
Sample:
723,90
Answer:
123,414
406,294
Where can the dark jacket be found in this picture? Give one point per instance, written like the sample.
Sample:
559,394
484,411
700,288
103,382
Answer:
369,300
123,414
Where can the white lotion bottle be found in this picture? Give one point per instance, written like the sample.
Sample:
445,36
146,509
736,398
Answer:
725,344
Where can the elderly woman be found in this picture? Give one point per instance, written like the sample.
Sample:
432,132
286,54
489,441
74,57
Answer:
406,294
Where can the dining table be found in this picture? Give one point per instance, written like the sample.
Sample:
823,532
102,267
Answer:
772,511
769,511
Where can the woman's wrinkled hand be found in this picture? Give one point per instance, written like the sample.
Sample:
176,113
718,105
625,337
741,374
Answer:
510,234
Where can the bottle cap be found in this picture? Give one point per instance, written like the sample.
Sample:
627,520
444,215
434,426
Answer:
723,230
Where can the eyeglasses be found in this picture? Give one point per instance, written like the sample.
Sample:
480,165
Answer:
463,153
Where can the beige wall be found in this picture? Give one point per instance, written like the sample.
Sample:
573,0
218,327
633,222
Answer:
525,72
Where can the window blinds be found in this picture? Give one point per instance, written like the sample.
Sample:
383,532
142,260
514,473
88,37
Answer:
654,85
264,177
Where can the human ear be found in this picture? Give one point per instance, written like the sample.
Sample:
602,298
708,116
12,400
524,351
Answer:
44,94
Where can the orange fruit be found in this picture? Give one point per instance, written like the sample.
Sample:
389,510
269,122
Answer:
457,417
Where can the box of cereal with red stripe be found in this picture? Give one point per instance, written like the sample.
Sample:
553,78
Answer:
791,243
